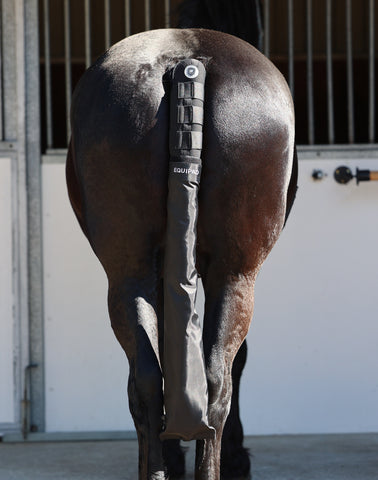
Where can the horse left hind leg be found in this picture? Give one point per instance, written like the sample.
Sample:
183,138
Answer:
132,308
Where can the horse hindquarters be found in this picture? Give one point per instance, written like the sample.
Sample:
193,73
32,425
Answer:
120,128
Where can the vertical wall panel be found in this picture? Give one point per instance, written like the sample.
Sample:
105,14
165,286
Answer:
6,296
9,73
34,212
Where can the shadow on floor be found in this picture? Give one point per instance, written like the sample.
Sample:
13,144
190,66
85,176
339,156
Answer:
296,457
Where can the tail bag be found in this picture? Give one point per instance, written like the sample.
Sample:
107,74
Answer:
185,385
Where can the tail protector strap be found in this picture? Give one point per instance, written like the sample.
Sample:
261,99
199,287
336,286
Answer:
185,384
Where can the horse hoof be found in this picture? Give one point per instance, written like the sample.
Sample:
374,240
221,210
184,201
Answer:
248,477
174,458
236,465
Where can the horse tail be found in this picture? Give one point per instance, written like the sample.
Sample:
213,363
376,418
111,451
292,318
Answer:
185,385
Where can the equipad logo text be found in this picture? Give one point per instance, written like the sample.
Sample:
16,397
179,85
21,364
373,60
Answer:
186,170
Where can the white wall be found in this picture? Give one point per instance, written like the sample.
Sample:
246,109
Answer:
313,358
86,370
6,296
313,353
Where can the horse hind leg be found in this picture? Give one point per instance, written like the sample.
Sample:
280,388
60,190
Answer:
132,308
174,458
228,312
235,459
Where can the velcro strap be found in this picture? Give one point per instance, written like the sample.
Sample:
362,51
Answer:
189,114
188,140
191,90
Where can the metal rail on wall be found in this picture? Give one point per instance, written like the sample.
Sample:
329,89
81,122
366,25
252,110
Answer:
46,30
310,75
330,113
349,49
1,79
371,71
67,63
290,46
298,56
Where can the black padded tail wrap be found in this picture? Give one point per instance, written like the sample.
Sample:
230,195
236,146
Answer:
185,384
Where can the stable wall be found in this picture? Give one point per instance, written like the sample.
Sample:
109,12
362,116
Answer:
313,353
7,407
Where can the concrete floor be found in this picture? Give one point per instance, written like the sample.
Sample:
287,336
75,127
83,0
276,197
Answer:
303,457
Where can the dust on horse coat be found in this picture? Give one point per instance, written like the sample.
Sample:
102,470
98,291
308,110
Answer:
117,171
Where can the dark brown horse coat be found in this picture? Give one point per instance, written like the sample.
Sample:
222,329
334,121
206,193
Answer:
117,170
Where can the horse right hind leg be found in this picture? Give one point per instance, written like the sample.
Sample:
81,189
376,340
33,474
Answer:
228,312
174,458
132,308
235,459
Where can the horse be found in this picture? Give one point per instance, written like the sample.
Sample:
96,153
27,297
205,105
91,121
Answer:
118,170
